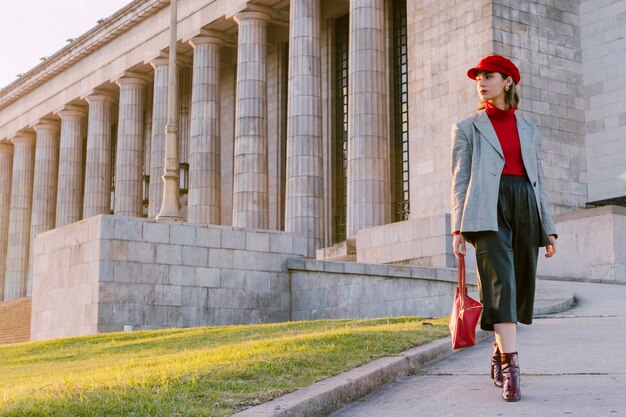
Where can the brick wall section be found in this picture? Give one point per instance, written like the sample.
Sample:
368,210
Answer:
15,321
603,34
340,290
543,39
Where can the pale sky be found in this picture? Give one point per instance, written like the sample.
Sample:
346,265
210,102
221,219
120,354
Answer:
31,29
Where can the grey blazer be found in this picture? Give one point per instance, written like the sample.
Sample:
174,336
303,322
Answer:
477,163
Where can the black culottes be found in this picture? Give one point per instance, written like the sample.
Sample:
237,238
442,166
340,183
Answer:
507,259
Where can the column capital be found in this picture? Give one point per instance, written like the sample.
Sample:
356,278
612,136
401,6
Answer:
252,15
130,77
74,110
277,17
98,94
23,137
209,37
159,62
47,124
163,60
6,147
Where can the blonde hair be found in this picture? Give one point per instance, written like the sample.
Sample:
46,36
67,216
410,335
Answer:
511,98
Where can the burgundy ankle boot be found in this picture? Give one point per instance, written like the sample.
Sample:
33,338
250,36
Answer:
511,390
496,367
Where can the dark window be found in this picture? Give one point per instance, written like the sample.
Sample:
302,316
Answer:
284,97
400,114
183,178
113,160
184,115
145,190
341,127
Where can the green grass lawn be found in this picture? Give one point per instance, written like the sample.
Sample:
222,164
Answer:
210,371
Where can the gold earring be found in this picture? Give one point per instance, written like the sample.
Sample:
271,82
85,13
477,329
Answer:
506,88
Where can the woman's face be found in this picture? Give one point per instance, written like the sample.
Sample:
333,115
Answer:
490,85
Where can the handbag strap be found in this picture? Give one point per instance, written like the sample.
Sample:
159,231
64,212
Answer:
461,278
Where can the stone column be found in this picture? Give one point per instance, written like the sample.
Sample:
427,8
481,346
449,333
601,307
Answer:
250,182
304,189
368,198
204,145
157,143
6,167
45,180
70,189
16,278
98,170
129,155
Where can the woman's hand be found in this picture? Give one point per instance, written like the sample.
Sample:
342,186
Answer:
551,248
458,245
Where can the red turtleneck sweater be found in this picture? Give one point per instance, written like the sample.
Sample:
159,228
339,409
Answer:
505,125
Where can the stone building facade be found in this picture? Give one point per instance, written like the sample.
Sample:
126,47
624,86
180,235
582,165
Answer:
325,122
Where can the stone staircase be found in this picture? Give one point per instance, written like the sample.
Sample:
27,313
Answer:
15,320
343,251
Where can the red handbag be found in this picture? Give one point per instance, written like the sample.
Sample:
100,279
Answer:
465,313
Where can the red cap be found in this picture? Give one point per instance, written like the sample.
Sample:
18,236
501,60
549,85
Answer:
496,63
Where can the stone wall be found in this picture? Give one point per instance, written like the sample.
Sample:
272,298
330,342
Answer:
103,273
66,271
445,39
338,290
603,34
425,241
543,39
590,246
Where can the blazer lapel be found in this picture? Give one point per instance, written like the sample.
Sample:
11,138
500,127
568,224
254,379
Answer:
482,123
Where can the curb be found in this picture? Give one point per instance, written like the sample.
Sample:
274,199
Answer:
326,396
558,306
550,302
331,394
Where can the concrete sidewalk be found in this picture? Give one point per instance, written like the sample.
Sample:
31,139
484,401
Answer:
326,396
572,364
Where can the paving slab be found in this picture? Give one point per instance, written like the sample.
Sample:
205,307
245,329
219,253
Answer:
572,365
472,396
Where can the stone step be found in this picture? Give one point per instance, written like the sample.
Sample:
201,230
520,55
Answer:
346,258
342,251
15,320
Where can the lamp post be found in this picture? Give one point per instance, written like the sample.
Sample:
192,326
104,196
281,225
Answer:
169,207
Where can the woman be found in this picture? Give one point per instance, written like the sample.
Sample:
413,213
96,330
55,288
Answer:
499,205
